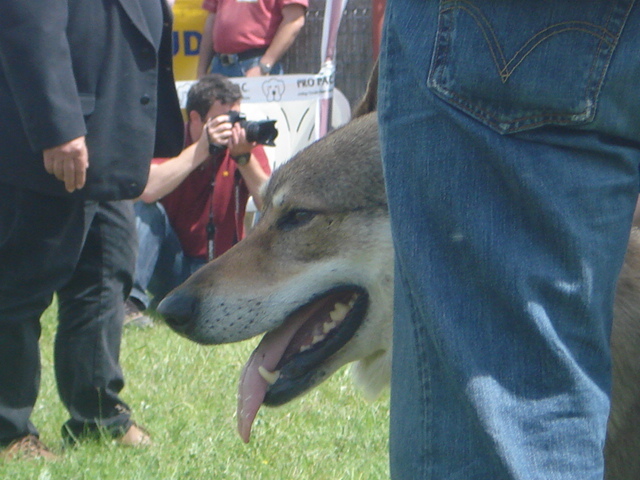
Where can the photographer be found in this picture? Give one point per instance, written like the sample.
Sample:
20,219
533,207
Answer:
193,206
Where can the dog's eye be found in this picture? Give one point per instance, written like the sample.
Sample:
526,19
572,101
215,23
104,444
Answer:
295,218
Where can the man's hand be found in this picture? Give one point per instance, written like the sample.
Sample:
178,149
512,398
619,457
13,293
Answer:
69,163
253,72
218,130
238,144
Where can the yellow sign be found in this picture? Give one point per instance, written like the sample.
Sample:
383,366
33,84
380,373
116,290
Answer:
188,23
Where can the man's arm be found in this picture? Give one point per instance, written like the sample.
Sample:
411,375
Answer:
206,46
292,23
43,87
252,173
254,178
165,177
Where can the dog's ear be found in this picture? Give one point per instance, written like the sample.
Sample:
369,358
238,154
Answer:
369,102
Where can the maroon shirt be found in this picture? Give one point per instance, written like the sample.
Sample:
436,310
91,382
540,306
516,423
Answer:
191,205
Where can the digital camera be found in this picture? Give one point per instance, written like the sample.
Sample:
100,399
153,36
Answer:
263,132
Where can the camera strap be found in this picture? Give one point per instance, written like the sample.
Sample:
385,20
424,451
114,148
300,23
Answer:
211,233
226,193
211,226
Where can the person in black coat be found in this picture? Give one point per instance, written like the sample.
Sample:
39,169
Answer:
87,98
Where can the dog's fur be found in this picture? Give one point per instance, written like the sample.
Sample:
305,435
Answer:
324,237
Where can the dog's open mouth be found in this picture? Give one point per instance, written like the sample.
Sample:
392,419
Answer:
289,359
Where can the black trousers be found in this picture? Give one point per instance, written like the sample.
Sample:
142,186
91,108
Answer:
84,251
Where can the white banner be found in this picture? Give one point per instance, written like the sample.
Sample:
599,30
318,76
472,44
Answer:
291,100
274,88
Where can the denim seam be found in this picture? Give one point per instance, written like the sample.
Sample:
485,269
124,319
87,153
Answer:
623,22
425,380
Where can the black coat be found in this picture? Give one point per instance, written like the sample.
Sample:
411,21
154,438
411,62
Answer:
87,67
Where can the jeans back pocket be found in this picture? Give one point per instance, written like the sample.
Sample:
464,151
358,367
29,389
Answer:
520,65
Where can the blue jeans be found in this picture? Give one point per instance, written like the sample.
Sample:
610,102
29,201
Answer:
510,135
239,69
161,264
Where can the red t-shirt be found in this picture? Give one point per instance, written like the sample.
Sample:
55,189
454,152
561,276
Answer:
191,205
242,25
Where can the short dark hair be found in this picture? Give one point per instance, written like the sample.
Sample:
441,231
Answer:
210,88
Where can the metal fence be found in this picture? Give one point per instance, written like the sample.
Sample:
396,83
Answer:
354,52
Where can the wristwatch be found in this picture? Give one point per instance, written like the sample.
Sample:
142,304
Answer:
241,159
265,68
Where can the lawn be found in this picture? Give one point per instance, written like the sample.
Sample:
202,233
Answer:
184,394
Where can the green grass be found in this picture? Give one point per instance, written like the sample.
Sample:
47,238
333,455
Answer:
185,395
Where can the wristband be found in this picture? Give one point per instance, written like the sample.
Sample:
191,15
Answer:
241,159
265,68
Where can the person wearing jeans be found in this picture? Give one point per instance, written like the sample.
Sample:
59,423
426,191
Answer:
511,145
162,264
248,39
239,68
193,207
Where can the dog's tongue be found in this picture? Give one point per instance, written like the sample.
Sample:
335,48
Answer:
253,387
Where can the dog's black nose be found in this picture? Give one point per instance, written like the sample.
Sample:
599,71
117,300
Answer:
178,309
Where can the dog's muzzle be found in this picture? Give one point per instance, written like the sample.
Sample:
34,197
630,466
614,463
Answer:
178,309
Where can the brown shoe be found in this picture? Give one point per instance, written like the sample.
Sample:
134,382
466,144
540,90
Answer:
27,448
134,317
136,436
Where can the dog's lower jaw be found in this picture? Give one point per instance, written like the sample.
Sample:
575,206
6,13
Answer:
295,357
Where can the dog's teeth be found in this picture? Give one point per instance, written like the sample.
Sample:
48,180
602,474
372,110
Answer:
304,348
339,312
328,326
270,377
316,339
352,302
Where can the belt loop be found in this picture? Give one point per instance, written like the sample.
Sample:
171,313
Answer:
228,59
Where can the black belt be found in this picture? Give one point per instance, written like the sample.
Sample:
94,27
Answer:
227,59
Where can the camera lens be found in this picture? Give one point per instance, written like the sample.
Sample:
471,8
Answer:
263,132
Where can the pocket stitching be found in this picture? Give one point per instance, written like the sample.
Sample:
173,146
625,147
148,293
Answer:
505,71
608,39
